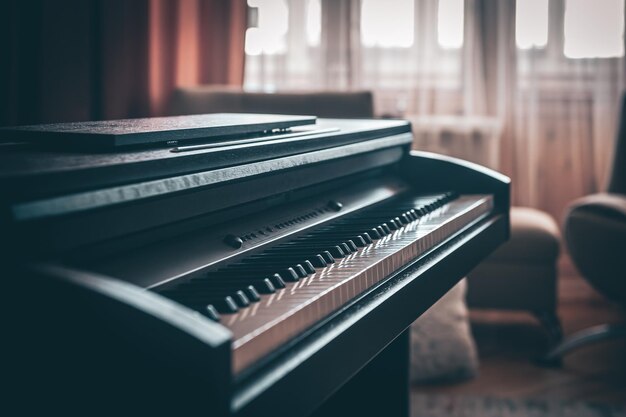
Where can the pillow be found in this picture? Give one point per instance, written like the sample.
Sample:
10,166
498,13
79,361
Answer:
442,346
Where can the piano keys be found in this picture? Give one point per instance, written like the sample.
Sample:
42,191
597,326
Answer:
218,278
262,323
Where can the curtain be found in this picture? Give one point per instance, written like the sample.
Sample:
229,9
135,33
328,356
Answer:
94,59
555,117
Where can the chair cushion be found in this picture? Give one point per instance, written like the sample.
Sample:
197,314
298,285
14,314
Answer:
442,346
534,238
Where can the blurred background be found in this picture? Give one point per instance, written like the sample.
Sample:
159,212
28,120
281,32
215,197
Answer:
529,87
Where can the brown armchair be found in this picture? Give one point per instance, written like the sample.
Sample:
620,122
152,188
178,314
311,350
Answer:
595,233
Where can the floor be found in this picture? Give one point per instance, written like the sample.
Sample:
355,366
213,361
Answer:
508,342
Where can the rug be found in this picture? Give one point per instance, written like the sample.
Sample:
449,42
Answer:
425,405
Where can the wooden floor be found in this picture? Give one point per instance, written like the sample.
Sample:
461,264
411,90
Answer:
508,342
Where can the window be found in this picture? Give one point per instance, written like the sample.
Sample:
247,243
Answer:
387,24
313,22
594,29
450,23
283,47
270,34
531,24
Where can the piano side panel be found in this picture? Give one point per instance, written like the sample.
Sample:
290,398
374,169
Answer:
89,345
433,172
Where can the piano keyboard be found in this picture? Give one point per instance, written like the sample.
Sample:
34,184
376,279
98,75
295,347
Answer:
270,297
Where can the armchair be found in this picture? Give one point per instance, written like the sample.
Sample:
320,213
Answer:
595,234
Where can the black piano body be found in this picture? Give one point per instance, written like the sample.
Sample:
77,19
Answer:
91,239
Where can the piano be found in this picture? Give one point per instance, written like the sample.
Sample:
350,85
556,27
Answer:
266,277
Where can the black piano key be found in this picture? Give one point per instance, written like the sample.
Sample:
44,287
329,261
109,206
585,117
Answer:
366,237
358,241
241,299
345,248
300,271
265,286
211,312
289,275
277,281
351,245
337,252
252,294
374,233
328,257
319,261
226,305
308,266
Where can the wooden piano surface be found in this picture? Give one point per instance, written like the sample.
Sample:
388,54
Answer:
100,260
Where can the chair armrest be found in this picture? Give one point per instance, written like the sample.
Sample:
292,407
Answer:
595,233
611,205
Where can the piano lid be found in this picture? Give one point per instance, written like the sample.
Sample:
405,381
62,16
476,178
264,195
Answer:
28,171
163,131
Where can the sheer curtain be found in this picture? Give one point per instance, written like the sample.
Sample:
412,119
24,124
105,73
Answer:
554,112
566,107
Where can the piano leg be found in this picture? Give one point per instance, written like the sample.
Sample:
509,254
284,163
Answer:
381,388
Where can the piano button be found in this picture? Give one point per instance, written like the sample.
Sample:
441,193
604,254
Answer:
328,257
359,241
393,225
336,252
375,234
345,248
366,237
211,312
352,245
398,221
277,281
300,271
335,205
386,228
290,275
381,231
308,267
319,261
233,241
252,294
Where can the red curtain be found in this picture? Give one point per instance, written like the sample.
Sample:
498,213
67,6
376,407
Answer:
108,59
